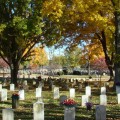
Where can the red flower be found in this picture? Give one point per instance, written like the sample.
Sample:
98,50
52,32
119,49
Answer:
69,103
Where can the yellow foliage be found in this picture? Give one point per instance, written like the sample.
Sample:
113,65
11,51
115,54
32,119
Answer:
98,15
91,52
39,58
53,9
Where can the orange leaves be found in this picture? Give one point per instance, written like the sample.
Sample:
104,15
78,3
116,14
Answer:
91,52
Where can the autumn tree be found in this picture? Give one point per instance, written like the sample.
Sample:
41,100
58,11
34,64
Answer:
84,20
99,64
90,52
39,58
20,30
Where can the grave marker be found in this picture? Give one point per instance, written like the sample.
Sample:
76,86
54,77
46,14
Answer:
117,89
38,110
100,112
88,91
12,87
38,92
118,96
56,92
72,92
103,90
69,113
103,100
4,95
7,114
21,95
85,98
62,98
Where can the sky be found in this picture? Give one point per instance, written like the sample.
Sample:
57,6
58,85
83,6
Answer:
52,51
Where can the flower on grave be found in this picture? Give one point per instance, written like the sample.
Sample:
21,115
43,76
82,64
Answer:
69,103
15,96
88,105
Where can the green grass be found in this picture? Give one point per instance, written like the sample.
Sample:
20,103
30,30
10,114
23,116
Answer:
53,111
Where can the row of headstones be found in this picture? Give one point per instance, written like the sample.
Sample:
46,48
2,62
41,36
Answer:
100,113
4,94
68,80
56,94
12,87
82,79
69,113
69,83
25,84
85,98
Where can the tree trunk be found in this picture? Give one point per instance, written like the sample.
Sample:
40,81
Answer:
108,61
117,46
111,73
14,73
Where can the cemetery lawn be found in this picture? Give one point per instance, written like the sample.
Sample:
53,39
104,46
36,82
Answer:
53,110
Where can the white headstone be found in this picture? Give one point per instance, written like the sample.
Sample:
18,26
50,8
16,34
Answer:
4,95
72,92
21,95
118,96
34,83
83,79
0,87
38,110
90,79
85,98
12,87
103,90
88,91
100,112
72,79
103,100
56,93
25,82
38,92
7,114
69,113
104,74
